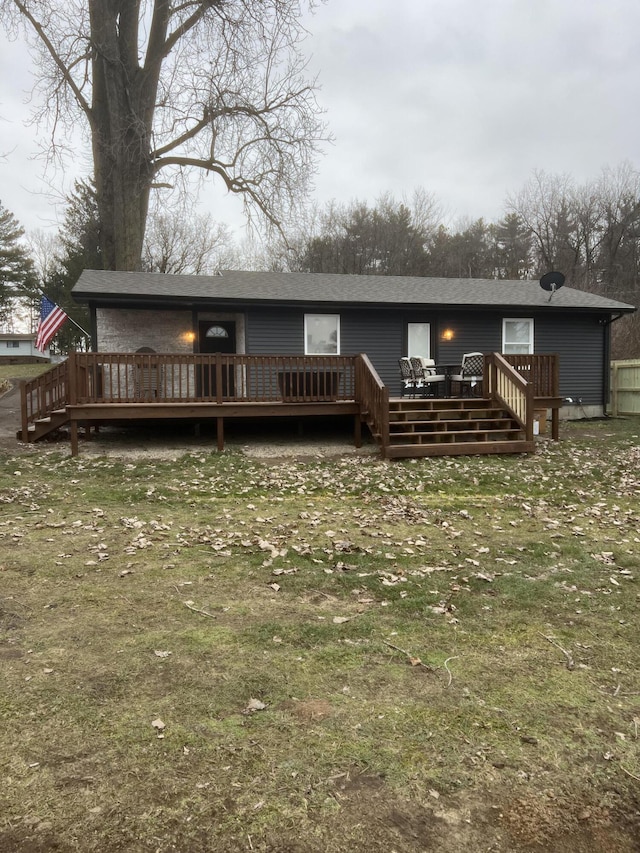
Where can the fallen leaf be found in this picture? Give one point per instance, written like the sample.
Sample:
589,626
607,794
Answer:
254,705
158,724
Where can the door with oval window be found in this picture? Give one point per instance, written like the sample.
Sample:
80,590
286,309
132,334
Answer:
216,336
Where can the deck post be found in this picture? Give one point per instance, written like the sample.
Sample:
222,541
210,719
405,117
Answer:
73,378
23,410
73,399
220,432
74,437
218,378
357,430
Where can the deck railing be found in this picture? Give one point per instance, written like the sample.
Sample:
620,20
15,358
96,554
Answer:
175,378
541,370
507,386
44,394
373,396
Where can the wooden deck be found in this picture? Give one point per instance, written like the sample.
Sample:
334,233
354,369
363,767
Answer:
95,388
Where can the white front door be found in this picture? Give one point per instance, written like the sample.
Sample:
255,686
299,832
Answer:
419,339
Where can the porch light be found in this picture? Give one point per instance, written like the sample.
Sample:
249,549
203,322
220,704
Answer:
448,335
189,337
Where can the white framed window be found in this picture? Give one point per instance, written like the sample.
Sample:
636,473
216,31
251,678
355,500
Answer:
419,339
322,334
517,336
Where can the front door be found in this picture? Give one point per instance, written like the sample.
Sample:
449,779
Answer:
419,340
216,336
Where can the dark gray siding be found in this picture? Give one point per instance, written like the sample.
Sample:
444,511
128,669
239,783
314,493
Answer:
481,332
275,331
579,341
381,334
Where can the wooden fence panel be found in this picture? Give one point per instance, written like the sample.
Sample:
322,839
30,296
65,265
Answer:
625,387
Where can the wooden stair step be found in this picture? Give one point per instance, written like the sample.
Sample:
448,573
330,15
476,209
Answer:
453,423
410,438
43,426
394,451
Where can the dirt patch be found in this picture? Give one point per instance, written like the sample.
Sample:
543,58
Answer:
482,821
308,711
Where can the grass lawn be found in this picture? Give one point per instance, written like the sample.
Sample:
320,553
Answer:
222,654
9,372
22,371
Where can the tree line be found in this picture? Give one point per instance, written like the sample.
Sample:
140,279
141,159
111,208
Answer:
590,232
164,91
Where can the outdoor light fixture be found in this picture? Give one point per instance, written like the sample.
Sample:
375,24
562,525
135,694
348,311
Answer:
448,335
189,337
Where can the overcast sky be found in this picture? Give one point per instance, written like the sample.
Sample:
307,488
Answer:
462,97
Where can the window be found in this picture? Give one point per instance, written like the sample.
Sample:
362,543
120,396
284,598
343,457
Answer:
517,336
13,344
321,334
217,332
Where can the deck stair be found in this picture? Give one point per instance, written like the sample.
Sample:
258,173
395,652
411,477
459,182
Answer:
452,427
43,426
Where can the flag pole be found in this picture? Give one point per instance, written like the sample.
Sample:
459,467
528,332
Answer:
84,332
77,325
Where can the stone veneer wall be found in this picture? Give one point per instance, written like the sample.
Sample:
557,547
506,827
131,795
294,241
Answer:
126,330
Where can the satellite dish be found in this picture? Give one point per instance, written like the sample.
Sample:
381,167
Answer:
552,281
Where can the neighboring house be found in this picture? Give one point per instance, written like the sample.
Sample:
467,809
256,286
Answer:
385,317
20,348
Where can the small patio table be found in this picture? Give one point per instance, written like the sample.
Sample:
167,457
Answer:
449,370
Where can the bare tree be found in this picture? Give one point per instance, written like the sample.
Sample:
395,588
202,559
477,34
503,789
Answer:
545,207
176,243
168,86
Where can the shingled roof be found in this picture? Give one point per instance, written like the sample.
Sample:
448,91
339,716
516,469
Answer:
328,289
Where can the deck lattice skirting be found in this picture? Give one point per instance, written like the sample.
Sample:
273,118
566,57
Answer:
91,388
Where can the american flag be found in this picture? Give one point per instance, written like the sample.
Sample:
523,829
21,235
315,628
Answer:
51,318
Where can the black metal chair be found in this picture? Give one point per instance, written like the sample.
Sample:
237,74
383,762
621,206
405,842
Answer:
411,383
471,373
425,368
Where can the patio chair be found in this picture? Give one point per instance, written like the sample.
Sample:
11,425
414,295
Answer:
471,372
425,368
411,382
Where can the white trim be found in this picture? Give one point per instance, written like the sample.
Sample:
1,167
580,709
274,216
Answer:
308,319
516,347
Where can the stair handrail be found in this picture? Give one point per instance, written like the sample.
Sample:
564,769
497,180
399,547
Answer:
41,396
373,397
511,390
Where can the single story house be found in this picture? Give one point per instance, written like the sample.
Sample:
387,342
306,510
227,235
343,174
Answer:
16,348
385,317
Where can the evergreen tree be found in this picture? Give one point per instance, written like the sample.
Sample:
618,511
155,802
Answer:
17,274
80,248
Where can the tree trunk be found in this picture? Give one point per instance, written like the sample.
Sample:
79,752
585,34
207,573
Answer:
121,132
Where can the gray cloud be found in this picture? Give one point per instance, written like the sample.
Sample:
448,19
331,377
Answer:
463,97
466,98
